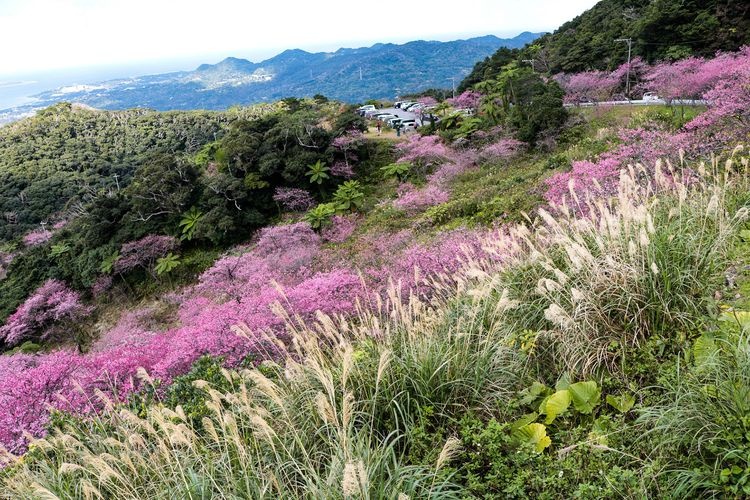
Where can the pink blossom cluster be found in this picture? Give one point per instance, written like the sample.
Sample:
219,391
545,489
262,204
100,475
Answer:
284,266
342,169
729,98
503,149
349,140
340,229
37,237
143,252
414,200
458,162
288,248
133,328
694,77
589,85
347,145
422,150
427,101
469,99
724,82
598,179
294,199
101,285
43,314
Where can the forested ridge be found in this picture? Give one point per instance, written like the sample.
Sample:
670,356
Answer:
87,181
659,29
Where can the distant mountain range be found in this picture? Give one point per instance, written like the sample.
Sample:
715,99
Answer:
352,75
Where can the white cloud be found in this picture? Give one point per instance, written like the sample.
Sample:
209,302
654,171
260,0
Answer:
53,34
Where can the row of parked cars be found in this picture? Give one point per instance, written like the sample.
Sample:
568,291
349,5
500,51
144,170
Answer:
409,106
387,118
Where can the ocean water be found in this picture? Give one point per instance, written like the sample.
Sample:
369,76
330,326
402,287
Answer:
17,90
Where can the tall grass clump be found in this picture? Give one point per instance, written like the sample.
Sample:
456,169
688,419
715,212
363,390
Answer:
603,275
702,426
369,406
330,421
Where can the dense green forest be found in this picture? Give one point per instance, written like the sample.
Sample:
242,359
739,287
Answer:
66,154
660,30
96,180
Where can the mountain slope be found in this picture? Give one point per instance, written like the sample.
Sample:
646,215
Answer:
351,75
659,29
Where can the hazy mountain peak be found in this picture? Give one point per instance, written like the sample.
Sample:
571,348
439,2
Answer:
382,70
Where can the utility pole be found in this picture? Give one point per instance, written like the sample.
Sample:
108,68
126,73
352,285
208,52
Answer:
629,41
453,81
530,61
118,182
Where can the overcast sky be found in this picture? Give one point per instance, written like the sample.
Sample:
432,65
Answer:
42,35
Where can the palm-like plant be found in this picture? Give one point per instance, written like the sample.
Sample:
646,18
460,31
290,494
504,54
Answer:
167,264
451,121
398,170
491,110
320,216
189,223
349,196
318,172
108,264
469,126
59,249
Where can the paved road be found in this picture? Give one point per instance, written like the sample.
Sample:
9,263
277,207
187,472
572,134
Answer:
640,102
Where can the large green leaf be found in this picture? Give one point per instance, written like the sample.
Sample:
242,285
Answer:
563,382
531,394
600,430
556,405
740,317
622,403
536,435
585,396
704,349
524,421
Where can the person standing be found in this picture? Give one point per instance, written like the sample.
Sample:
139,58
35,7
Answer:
378,127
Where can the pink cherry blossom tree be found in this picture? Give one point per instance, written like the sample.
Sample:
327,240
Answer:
47,313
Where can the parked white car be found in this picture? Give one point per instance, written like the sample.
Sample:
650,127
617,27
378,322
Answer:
651,96
408,124
384,118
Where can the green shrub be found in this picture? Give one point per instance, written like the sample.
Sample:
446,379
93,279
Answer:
453,209
702,425
493,465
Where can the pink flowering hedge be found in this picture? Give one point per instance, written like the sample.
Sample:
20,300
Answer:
422,151
293,199
285,265
414,200
340,229
47,313
724,82
37,237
